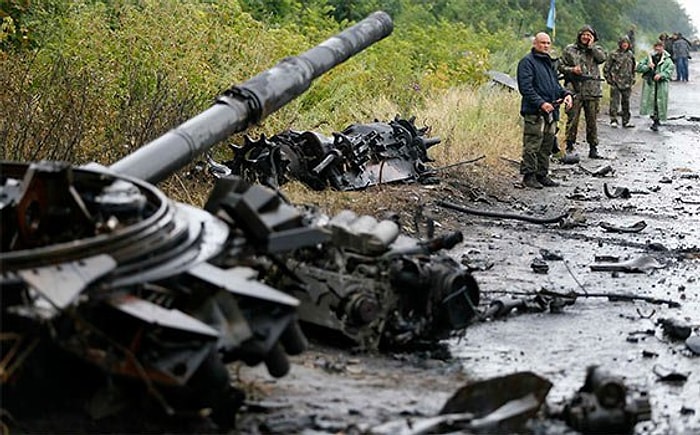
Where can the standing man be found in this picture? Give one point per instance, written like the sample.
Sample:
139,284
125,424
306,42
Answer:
541,96
619,72
656,70
579,64
681,54
631,36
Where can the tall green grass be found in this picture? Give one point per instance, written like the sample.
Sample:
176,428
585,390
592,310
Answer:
105,77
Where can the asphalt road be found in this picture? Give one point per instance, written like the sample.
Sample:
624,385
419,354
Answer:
661,170
331,391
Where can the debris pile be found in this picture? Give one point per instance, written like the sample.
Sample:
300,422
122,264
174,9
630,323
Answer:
360,156
378,288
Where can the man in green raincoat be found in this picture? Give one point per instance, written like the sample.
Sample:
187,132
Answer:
656,70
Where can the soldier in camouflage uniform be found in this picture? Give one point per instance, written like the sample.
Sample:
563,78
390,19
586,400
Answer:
619,72
579,64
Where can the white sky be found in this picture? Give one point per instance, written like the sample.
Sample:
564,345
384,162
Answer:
692,7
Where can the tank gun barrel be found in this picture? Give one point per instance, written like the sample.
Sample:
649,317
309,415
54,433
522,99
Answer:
248,103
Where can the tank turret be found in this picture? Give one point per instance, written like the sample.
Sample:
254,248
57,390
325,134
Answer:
112,291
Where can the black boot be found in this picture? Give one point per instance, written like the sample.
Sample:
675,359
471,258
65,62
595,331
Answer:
569,146
593,152
530,180
655,125
546,181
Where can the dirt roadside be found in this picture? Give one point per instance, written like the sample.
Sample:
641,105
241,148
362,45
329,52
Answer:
333,391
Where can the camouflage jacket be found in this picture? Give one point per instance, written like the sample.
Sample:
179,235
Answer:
619,69
587,85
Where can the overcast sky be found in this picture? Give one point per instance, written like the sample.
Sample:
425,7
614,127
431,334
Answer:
692,7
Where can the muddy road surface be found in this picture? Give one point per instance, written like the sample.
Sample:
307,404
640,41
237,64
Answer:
657,175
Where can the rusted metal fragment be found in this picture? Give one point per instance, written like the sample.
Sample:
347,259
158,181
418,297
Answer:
498,405
538,265
602,171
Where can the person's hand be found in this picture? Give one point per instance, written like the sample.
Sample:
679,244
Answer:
546,107
577,70
657,77
568,102
651,65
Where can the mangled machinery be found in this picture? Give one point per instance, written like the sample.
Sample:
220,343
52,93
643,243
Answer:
360,156
378,288
103,274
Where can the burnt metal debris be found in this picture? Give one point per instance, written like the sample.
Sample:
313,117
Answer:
634,228
377,288
641,264
504,404
360,156
502,215
516,403
605,405
503,79
108,285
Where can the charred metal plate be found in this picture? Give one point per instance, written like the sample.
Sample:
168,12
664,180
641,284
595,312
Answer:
503,79
61,284
155,314
199,236
238,280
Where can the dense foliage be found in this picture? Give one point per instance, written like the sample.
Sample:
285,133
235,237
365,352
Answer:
93,79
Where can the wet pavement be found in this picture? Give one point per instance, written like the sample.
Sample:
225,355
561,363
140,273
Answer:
663,167
330,391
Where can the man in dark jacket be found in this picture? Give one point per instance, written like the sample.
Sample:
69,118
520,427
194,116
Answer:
541,96
681,54
579,64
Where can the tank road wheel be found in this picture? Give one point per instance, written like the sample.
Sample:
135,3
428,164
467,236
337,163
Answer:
276,361
293,339
211,386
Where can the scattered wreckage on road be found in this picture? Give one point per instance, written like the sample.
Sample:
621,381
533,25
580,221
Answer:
110,287
127,299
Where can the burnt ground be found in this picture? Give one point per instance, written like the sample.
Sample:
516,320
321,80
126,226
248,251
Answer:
333,391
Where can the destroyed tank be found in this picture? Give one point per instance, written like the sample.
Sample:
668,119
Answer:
112,292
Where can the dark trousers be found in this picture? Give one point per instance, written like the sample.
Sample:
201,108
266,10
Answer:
682,69
538,139
620,104
590,111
